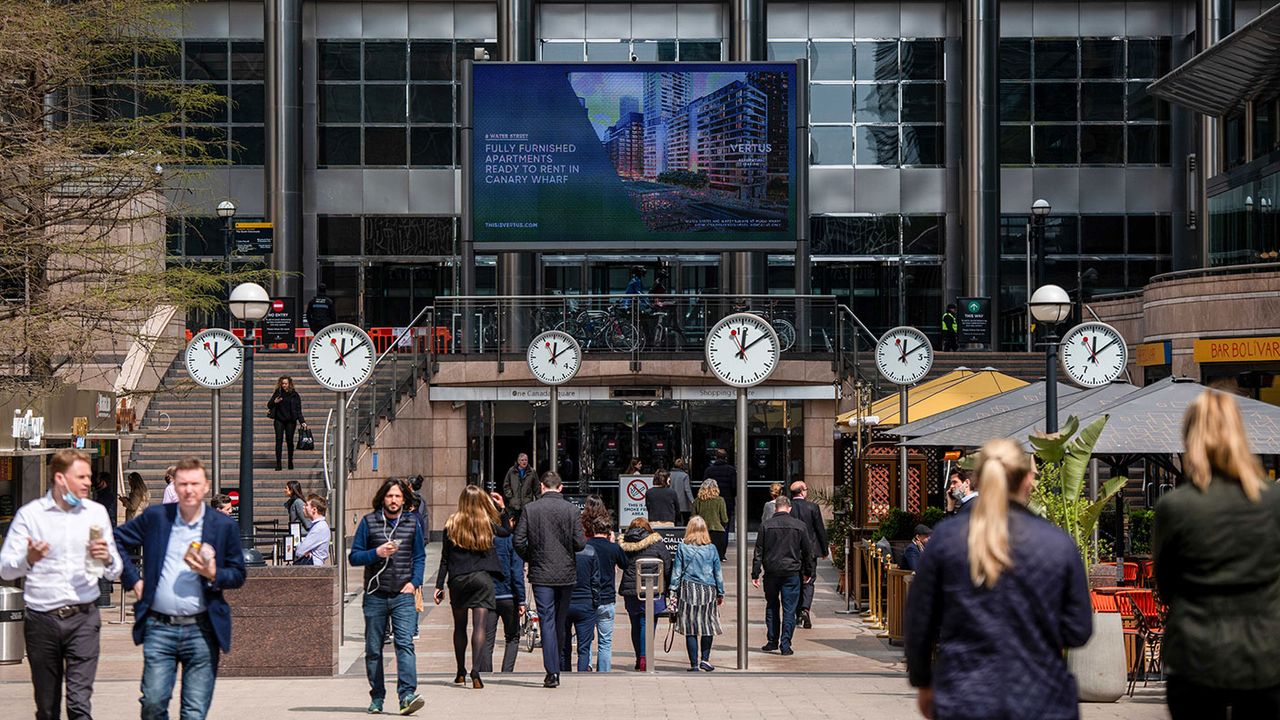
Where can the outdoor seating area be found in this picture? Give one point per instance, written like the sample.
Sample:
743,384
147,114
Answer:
1143,617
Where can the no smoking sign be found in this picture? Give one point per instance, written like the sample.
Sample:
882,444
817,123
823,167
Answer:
636,489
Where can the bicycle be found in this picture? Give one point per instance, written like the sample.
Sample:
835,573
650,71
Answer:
530,632
594,329
785,329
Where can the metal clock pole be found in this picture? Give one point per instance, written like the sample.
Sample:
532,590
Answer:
554,462
339,514
217,441
903,485
740,524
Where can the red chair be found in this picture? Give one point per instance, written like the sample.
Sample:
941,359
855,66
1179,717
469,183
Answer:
1130,571
1149,627
1146,573
1103,603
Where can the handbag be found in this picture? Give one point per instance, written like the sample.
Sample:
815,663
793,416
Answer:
306,441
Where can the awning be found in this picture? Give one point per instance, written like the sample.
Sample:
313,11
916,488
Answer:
956,388
1242,67
1027,395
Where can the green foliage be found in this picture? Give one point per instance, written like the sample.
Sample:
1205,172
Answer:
932,516
688,178
1140,522
1063,460
839,526
897,525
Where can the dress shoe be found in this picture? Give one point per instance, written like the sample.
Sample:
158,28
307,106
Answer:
788,651
640,666
805,620
551,680
476,683
769,647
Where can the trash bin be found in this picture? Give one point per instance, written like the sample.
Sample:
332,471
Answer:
11,624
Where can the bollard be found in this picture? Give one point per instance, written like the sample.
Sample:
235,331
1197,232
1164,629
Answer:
848,579
649,586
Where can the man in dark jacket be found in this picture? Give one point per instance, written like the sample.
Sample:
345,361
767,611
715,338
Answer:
785,555
320,313
582,610
911,556
518,485
191,554
548,537
726,477
811,515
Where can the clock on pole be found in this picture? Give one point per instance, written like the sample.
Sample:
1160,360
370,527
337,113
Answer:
904,357
215,359
1093,354
341,357
554,358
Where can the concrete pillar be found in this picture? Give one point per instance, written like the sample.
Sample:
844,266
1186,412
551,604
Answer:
283,47
745,272
982,162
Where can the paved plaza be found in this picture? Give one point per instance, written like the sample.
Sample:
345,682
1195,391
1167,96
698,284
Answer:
841,669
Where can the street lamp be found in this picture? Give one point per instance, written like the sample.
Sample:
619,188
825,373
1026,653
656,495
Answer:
1050,305
249,303
227,211
1040,210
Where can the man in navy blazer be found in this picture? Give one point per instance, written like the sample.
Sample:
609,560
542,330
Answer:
190,556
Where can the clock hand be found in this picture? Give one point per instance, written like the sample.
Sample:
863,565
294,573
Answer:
212,357
1093,354
1104,347
342,351
753,342
742,346
905,354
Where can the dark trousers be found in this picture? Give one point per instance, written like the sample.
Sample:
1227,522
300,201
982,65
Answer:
781,596
720,539
949,343
58,649
509,613
284,432
806,593
553,621
1191,701
583,620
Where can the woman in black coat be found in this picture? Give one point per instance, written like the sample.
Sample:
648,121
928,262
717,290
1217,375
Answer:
285,408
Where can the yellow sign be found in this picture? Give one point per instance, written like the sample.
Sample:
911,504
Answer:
1148,354
1254,349
253,225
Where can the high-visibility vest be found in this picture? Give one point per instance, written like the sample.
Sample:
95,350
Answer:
948,322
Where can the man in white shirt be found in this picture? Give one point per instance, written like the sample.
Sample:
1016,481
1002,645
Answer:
170,492
316,543
49,544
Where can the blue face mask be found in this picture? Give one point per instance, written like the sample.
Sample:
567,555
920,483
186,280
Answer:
71,499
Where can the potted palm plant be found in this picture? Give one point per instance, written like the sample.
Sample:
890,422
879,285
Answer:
1063,460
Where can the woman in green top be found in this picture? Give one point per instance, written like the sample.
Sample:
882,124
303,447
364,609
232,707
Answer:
1215,544
710,507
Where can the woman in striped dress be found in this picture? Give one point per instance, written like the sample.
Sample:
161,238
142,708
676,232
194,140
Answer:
697,583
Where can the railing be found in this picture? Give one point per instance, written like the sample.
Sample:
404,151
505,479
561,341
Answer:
635,326
854,342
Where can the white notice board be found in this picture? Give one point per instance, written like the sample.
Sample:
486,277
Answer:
632,490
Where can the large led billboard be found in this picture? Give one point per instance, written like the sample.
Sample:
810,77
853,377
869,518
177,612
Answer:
640,156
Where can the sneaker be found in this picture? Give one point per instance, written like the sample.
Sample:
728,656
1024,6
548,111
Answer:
411,704
640,665
375,707
694,669
769,647
706,666
788,651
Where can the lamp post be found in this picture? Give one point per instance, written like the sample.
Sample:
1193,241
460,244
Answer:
227,211
1040,210
1050,305
249,303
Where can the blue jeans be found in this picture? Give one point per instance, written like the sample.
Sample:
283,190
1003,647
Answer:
583,618
553,621
604,637
164,646
781,594
400,610
635,610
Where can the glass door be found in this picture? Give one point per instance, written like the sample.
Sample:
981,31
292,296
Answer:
395,293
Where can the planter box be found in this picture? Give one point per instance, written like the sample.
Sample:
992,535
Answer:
1099,666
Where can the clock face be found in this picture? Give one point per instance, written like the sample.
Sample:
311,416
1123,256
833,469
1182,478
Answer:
341,357
215,358
742,350
904,355
554,357
1093,354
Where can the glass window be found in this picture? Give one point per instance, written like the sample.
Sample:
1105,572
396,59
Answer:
1141,271
922,59
1061,233
1103,59
1149,58
385,145
876,61
205,235
1055,59
1055,101
248,103
876,103
797,50
609,51
922,145
923,234
876,145
1102,101
831,103
1102,234
247,62
831,145
213,143
339,60
1015,102
205,60
431,103
647,50
1015,145
699,51
466,50
385,60
338,235
338,145
111,102
1102,144
1149,234
384,103
431,60
1143,106
431,146
564,51
339,103
248,145
922,102
831,61
1015,59
1055,144
1149,144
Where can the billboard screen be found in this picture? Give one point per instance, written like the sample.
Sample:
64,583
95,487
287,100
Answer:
640,156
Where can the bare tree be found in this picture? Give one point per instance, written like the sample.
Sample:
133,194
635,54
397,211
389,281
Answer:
90,119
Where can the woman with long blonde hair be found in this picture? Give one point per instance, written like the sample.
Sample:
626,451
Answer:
1215,544
469,563
999,594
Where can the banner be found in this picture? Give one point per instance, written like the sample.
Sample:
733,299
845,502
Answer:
632,490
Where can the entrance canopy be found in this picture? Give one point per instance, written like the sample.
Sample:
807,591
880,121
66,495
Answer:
1022,421
1028,395
957,388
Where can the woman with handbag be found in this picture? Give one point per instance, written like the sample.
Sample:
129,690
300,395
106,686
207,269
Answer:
468,564
295,504
697,584
285,409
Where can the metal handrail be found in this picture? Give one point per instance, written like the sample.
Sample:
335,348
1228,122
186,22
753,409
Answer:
394,342
1219,270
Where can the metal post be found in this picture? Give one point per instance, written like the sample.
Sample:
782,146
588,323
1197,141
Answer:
739,527
226,261
981,152
1051,380
217,442
339,523
650,632
553,463
1030,320
1093,495
903,488
246,437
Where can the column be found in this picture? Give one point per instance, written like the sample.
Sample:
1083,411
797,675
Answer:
283,47
745,272
516,271
982,162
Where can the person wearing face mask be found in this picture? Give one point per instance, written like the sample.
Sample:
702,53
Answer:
960,491
61,544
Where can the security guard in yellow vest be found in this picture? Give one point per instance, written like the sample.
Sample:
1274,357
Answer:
949,328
